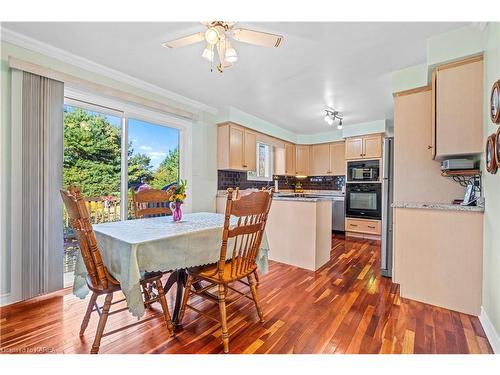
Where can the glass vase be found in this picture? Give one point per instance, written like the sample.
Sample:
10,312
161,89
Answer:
176,211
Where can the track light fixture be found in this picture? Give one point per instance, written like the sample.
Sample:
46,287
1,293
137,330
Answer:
331,115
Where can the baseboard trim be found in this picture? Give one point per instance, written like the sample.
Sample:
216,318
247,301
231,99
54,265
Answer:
489,329
4,299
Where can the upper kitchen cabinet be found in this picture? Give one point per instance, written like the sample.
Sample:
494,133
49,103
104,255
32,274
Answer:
458,105
302,160
328,159
412,162
236,148
337,159
320,160
364,147
290,155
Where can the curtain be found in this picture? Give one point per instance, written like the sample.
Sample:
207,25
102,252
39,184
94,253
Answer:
41,211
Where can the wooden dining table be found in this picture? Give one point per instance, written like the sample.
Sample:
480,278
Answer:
133,247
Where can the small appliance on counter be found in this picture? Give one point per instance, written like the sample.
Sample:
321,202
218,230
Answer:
298,188
454,164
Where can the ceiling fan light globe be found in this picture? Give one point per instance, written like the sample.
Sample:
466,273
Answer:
231,55
208,54
329,121
327,117
212,36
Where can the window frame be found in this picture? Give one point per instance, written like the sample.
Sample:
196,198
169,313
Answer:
126,111
256,177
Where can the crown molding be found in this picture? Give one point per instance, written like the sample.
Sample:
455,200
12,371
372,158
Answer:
34,45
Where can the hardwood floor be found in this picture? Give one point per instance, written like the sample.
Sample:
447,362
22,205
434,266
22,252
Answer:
346,307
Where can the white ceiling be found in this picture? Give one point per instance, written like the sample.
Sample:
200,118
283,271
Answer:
344,65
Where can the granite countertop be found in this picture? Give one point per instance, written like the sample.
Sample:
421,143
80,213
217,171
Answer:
438,206
300,199
223,193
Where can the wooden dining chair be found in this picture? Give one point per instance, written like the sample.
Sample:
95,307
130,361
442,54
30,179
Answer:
151,203
237,262
99,280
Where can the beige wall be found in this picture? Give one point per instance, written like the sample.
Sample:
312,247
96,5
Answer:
204,142
491,188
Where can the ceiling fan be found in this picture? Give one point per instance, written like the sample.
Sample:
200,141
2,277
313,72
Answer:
218,35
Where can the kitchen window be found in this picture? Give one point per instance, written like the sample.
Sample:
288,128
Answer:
264,164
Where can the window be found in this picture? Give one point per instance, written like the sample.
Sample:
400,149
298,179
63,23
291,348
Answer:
264,164
108,152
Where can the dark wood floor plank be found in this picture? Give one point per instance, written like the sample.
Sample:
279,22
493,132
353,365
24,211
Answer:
345,307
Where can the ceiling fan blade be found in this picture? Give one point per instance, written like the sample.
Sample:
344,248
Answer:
221,51
257,37
185,40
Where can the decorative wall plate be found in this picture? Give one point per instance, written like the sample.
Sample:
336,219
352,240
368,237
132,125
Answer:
497,147
491,163
495,102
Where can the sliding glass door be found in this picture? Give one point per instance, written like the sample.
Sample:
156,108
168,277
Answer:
153,155
92,161
107,155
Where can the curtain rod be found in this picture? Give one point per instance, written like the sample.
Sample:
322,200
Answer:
72,80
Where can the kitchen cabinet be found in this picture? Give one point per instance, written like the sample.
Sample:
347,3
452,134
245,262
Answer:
236,148
302,160
328,159
320,160
354,148
438,257
290,155
337,159
417,178
365,226
365,147
458,93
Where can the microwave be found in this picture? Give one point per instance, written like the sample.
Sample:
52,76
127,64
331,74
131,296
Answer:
363,171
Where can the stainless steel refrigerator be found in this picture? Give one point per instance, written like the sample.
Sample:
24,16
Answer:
387,198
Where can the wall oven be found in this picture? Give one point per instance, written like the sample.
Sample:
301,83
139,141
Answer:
363,170
364,201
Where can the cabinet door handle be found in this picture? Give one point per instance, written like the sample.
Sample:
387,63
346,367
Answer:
371,226
245,166
429,147
353,225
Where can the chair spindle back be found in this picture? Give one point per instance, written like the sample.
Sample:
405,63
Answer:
251,210
79,220
151,203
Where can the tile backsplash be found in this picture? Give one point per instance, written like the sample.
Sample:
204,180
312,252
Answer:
233,179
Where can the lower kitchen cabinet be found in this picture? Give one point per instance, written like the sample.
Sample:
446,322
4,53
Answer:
360,227
438,257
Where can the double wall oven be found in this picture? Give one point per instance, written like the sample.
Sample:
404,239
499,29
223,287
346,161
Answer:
364,200
364,189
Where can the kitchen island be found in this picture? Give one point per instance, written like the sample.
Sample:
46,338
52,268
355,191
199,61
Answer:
299,231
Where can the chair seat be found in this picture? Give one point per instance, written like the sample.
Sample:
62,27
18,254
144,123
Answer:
209,272
100,290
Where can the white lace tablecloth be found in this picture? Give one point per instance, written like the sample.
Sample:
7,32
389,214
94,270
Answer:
132,247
